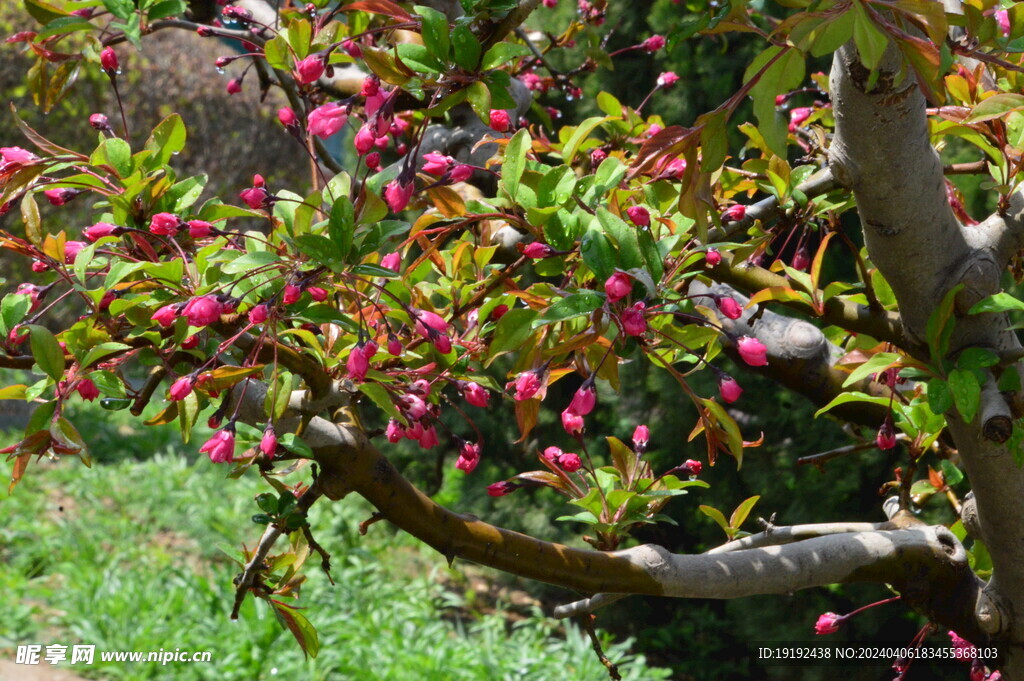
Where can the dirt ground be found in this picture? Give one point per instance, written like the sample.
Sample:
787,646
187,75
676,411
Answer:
36,672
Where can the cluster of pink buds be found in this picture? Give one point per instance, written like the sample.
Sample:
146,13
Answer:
583,402
420,415
358,362
446,168
433,328
567,461
257,196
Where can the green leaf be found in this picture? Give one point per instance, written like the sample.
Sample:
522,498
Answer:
342,225
995,106
717,516
1000,302
46,351
380,397
966,392
576,305
479,97
13,309
598,253
249,261
465,48
870,42
417,58
940,399
511,332
515,161
294,444
167,139
843,398
122,9
320,248
950,473
742,511
878,363
435,32
624,237
939,327
581,133
784,75
114,152
977,358
98,352
502,53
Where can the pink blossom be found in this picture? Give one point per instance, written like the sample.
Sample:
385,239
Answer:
437,164
527,385
268,444
460,172
33,292
735,213
166,315
100,230
392,261
654,43
828,623
712,257
633,321
220,447
691,467
618,286
352,48
326,120
752,351
597,156
442,343
182,388
429,320
729,389
572,422
797,117
359,360
234,86
639,216
469,457
199,229
394,346
397,194
165,224
729,307
641,436
59,197
71,249
14,155
499,120
108,60
310,69
259,314
667,79
584,400
801,259
287,117
500,489
254,197
429,438
552,453
364,140
203,311
886,438
370,86
317,293
394,432
537,250
569,462
475,394
87,389
190,342
291,294
963,647
97,121
373,160
1003,19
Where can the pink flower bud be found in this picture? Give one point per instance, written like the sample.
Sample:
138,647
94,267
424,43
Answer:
498,312
199,229
752,351
585,399
59,197
797,117
109,62
429,438
234,86
801,259
352,49
370,87
500,489
827,623
569,462
166,315
203,311
654,43
397,195
394,346
735,213
886,438
287,117
527,384
327,120
309,69
165,224
618,286
359,361
460,172
537,250
317,294
182,388
691,467
641,436
597,156
1003,19
667,79
394,432
639,215
633,320
291,294
475,394
392,261
99,122
71,249
729,389
572,422
254,197
190,342
87,390
364,140
729,307
712,257
17,155
499,120
220,447
268,444
469,457
552,453
373,160
100,230
436,163
259,314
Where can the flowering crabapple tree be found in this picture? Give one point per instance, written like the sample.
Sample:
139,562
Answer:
467,252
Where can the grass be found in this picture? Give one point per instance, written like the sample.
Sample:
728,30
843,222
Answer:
126,556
